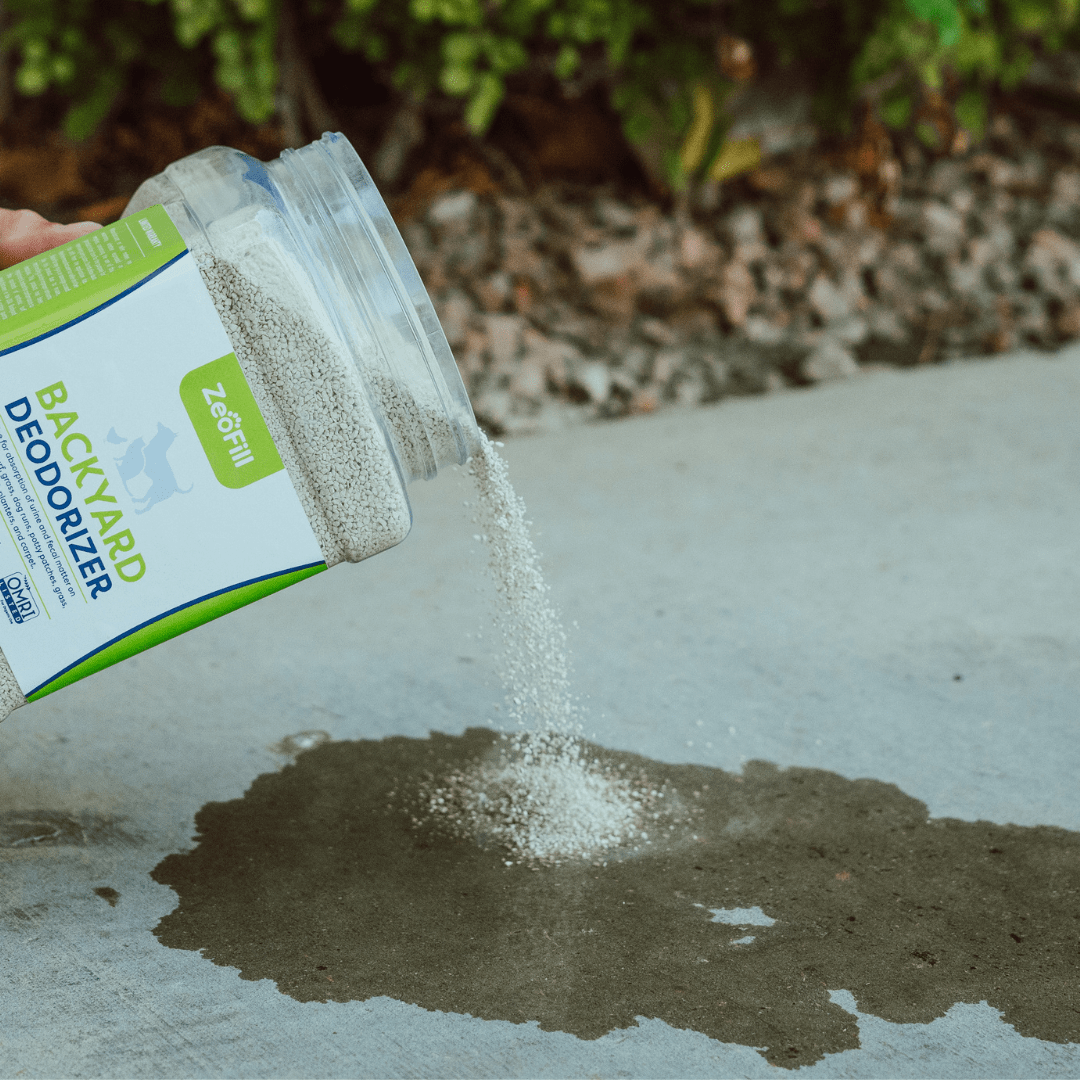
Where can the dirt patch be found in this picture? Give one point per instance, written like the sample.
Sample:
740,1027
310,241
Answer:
318,880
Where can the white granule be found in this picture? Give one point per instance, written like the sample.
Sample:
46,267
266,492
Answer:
535,664
554,805
544,799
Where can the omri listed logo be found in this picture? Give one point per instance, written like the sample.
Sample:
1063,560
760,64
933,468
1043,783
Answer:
19,604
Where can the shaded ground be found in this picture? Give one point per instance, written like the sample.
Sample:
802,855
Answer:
314,879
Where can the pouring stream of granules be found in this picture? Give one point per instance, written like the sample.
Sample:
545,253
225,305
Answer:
543,799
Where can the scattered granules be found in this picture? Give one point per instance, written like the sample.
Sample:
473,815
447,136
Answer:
535,664
543,799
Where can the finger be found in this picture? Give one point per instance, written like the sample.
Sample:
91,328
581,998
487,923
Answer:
24,233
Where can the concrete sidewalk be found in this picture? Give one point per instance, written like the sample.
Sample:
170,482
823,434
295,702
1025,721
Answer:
879,579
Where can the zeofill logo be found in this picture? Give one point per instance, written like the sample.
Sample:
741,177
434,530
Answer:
18,598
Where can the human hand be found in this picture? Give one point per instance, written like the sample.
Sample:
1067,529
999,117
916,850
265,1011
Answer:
24,233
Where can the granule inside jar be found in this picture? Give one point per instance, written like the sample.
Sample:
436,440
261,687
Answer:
313,402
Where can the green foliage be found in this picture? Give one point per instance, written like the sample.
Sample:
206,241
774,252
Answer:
656,60
965,47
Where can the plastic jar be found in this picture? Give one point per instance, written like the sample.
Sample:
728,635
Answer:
296,400
312,233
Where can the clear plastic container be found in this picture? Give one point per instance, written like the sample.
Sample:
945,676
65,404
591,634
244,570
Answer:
341,349
312,233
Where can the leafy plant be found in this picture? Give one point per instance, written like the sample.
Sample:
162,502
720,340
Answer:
666,65
920,48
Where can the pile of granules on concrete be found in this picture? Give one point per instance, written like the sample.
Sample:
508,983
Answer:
546,805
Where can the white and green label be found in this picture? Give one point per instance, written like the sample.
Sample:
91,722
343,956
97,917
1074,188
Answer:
141,493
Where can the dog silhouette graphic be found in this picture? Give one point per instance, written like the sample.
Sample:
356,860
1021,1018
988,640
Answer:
145,467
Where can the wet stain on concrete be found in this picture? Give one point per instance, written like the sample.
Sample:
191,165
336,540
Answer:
316,880
59,828
107,893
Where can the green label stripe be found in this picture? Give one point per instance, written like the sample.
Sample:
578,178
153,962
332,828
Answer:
58,286
172,623
231,430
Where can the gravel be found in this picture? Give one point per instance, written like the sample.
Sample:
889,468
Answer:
571,304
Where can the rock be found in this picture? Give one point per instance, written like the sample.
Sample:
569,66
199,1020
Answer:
943,228
635,362
1068,320
830,360
1054,260
615,298
623,381
999,172
946,176
966,278
735,292
454,312
658,276
604,263
595,379
666,363
744,227
884,324
453,209
616,215
529,381
839,189
796,264
470,355
828,300
493,407
645,399
719,372
774,381
962,201
493,292
763,331
868,250
555,357
696,250
850,331
520,259
504,333
691,389
905,258
1064,196
657,331
1031,317
1065,188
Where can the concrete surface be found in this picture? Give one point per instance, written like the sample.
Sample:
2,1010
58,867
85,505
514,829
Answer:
797,578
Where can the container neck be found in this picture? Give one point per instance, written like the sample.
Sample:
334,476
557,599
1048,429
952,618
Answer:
380,306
